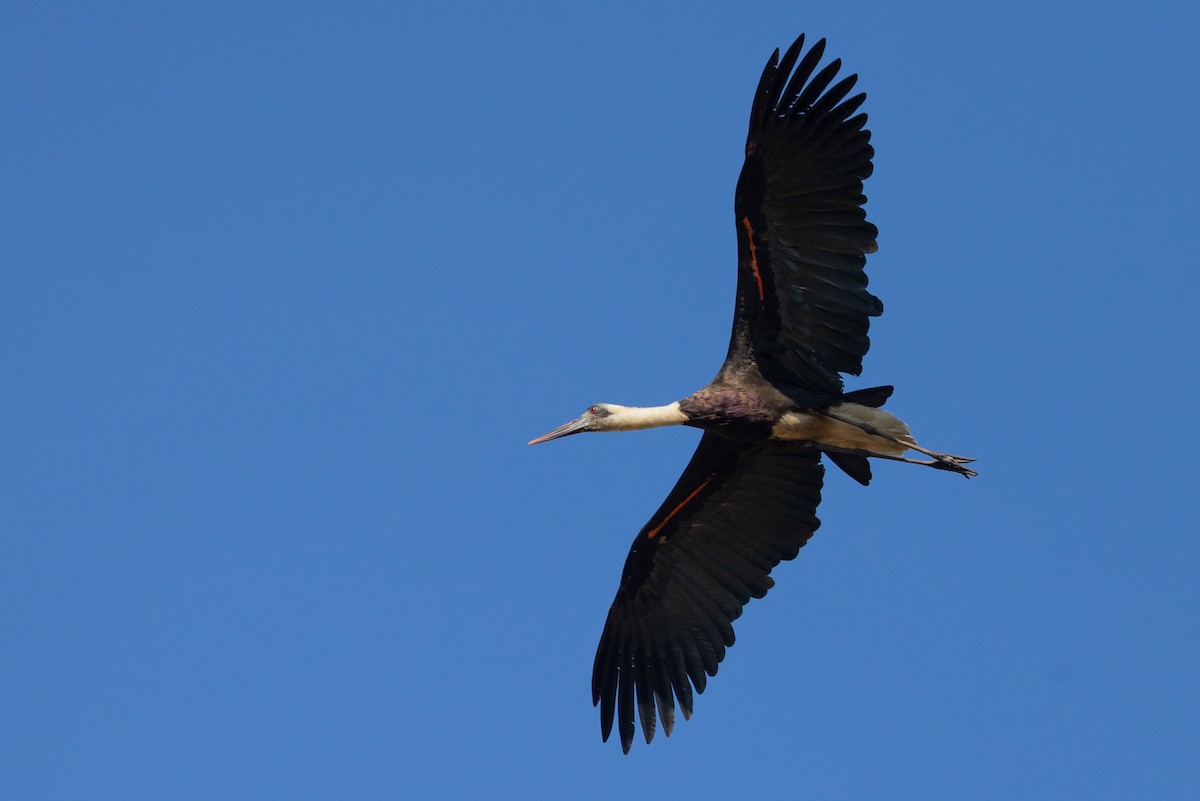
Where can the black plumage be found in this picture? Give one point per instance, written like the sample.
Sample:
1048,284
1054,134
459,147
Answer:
748,498
803,308
707,551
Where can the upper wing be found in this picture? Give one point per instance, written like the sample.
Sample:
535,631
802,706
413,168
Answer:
803,307
736,512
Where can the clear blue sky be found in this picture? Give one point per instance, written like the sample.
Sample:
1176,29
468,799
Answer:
285,288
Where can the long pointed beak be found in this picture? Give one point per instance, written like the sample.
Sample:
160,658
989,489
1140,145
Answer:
573,427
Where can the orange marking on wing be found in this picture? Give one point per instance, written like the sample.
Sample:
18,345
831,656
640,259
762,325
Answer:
654,531
754,257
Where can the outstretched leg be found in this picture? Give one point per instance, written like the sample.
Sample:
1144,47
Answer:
936,464
940,461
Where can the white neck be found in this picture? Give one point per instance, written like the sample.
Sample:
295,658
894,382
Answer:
634,418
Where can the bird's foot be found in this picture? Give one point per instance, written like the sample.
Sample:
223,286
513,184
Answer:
955,464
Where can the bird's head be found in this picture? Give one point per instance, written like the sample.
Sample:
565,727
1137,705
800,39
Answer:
600,417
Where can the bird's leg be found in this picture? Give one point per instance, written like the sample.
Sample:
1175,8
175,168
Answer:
955,467
940,461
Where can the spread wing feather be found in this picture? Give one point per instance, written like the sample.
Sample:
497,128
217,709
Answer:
803,309
737,511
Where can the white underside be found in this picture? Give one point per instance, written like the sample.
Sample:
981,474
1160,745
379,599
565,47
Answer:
823,430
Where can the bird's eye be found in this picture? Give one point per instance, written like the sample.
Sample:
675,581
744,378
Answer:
594,410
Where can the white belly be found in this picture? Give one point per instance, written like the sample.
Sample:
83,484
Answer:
822,430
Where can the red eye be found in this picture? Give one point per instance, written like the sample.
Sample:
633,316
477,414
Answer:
594,410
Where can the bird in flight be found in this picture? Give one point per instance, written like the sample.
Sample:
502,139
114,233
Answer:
748,498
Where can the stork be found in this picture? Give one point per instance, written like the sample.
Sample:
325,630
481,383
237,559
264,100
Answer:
748,498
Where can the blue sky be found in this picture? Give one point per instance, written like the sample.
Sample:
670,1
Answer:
285,289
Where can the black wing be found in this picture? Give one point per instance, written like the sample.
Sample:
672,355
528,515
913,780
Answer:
803,307
736,512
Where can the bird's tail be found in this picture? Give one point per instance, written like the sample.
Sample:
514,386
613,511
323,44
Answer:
873,396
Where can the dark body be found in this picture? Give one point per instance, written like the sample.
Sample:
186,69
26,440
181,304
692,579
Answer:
748,500
736,410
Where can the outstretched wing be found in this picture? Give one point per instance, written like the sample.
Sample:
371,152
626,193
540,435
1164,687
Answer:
736,512
803,308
